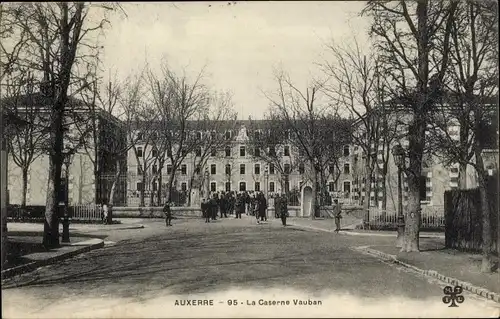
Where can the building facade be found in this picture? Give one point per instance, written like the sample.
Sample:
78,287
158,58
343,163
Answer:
88,174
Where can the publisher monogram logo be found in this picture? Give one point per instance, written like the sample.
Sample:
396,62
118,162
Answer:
453,295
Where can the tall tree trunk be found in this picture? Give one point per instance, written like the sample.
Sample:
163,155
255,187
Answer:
416,136
141,194
368,191
315,193
170,182
160,181
462,176
111,196
25,186
152,192
51,223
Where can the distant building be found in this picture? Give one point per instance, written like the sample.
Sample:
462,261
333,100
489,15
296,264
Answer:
82,185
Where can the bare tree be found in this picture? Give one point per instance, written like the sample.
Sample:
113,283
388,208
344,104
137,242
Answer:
178,105
316,128
470,103
405,41
57,42
26,142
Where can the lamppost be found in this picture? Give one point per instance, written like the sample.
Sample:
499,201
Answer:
65,222
399,159
207,174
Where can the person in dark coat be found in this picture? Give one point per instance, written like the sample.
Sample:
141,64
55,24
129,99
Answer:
215,206
283,209
167,211
232,203
223,205
337,213
261,206
205,210
277,207
239,205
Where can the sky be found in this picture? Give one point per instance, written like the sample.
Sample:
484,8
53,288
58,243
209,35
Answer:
238,44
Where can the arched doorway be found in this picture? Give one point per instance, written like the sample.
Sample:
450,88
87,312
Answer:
307,194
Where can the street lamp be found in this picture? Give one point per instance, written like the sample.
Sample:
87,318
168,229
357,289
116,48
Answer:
65,233
399,159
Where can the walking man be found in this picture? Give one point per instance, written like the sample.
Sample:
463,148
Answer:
205,210
240,205
337,214
167,211
283,207
213,207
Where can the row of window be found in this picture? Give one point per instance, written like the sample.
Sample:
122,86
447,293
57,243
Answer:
213,151
243,186
257,170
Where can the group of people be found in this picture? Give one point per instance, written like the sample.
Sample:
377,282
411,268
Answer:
252,203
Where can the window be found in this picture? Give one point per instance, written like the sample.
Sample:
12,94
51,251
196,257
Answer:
155,186
347,168
287,150
198,152
183,186
287,135
257,152
154,169
213,186
257,169
243,186
286,168
257,186
198,135
331,187
169,169
347,187
139,152
228,169
139,186
454,170
228,151
271,168
213,169
242,151
423,188
213,152
272,151
331,168
228,135
242,169
302,168
346,150
228,186
287,186
184,169
271,186
154,152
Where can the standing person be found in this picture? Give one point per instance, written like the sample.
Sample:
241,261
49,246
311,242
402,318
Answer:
240,205
337,214
232,203
167,211
277,207
283,209
261,205
223,204
246,199
213,206
205,210
104,212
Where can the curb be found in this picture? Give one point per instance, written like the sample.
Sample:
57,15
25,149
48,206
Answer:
18,270
483,292
353,233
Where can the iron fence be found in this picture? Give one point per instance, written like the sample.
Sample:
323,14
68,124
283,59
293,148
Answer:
429,219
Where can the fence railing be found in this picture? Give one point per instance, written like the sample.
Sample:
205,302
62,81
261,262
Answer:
429,219
86,212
